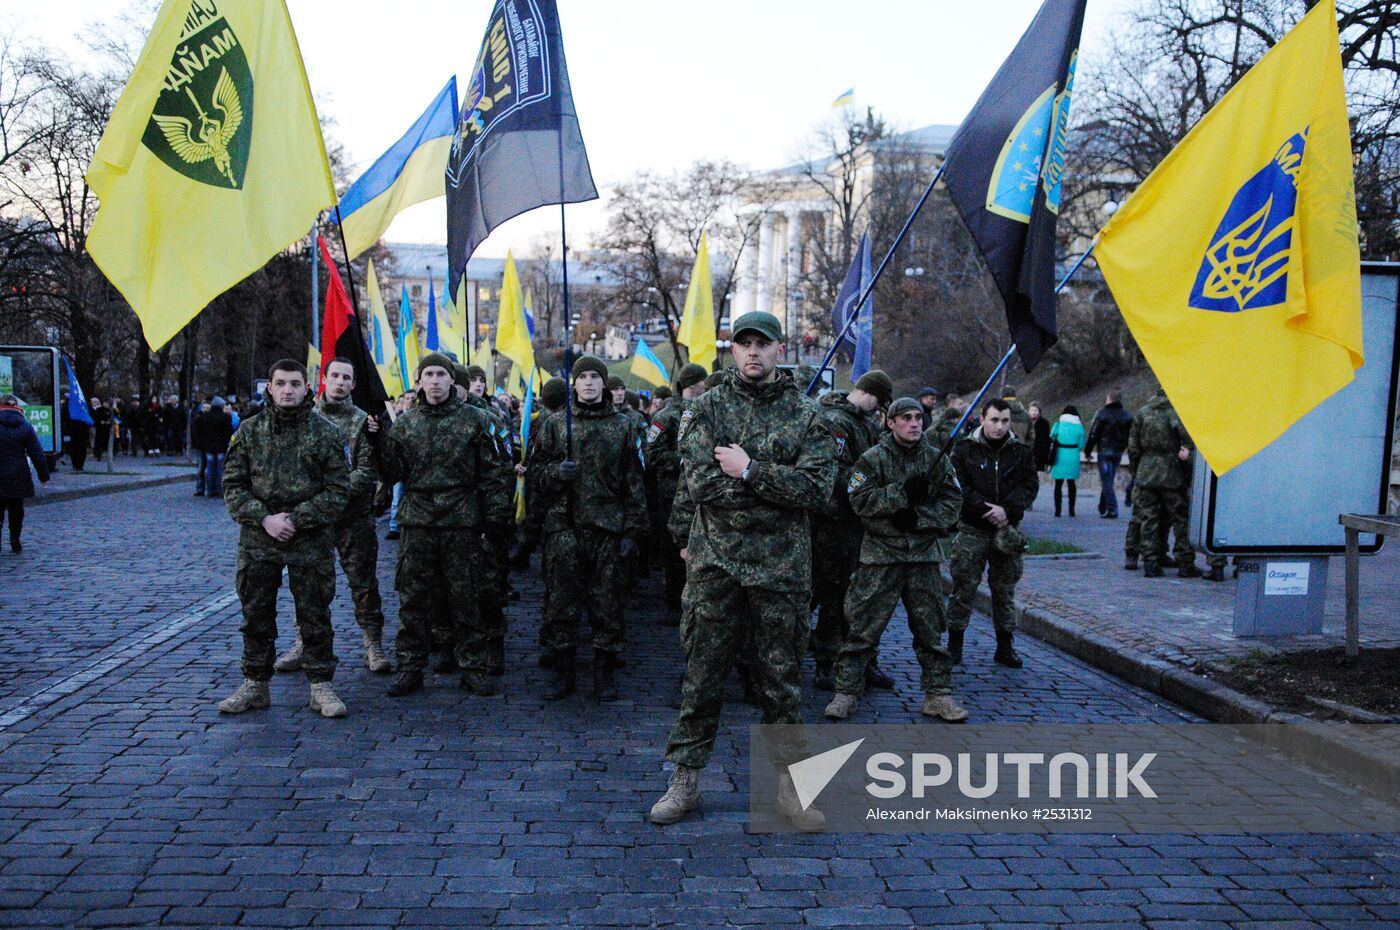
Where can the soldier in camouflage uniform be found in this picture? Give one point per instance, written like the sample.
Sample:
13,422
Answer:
595,513
355,537
854,423
443,451
553,396
1020,416
636,565
663,459
756,461
908,499
286,482
947,421
1157,446
493,555
999,481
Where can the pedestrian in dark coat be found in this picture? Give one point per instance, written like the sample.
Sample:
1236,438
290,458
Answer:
18,443
1040,439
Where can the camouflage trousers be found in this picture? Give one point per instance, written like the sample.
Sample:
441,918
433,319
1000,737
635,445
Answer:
583,568
874,592
721,619
668,555
358,545
492,566
1157,510
434,577
835,557
972,554
313,589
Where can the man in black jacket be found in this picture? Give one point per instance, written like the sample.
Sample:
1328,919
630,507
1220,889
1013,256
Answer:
209,435
999,481
1109,433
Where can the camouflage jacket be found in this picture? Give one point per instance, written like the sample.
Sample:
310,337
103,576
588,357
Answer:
364,456
1020,419
895,531
534,505
1154,440
942,427
608,493
1003,476
502,438
287,461
640,424
663,451
756,531
450,466
854,432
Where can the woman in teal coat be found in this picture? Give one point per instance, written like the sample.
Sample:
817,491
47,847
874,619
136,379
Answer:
1066,443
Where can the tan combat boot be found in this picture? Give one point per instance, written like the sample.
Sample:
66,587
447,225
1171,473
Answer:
841,706
791,807
250,695
682,796
375,660
944,707
324,701
290,661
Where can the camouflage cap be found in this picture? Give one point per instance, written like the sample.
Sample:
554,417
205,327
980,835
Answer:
904,405
878,383
765,324
690,375
590,363
434,359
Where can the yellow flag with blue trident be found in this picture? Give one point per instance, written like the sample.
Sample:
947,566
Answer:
1236,263
647,366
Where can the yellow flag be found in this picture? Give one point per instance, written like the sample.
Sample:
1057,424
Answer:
697,329
313,363
1236,263
386,352
211,163
512,332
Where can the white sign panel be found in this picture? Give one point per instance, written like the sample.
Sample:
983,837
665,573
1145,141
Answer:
1285,579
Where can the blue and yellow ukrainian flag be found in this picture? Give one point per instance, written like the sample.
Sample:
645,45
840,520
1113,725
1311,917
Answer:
1236,263
844,99
412,171
409,351
647,366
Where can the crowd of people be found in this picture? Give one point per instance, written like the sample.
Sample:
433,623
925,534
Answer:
158,427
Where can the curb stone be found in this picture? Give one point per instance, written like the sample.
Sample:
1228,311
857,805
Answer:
60,496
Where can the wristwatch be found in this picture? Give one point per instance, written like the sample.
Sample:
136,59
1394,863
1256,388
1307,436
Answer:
744,475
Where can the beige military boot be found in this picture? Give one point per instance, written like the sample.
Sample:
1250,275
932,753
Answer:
841,706
375,660
944,707
250,695
791,808
682,796
324,701
290,661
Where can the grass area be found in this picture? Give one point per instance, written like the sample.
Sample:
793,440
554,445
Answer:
1050,547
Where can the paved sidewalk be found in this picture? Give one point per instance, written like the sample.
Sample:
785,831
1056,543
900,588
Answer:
127,474
1182,621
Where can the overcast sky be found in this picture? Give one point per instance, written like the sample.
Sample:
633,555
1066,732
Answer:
658,83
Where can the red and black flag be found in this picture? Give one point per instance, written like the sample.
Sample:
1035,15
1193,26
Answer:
1004,167
341,336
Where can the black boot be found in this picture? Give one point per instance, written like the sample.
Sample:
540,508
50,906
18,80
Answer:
1188,570
604,678
406,682
876,678
955,644
1006,653
496,657
823,679
446,662
562,683
1130,563
478,683
1216,573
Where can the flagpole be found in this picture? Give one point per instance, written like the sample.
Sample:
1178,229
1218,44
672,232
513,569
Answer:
1006,359
568,328
870,288
349,272
315,293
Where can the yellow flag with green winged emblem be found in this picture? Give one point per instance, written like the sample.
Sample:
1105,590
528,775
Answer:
1236,263
212,162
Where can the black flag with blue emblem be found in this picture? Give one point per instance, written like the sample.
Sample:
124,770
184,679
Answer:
1004,167
517,144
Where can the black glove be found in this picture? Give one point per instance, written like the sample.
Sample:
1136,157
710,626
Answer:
905,520
627,547
916,490
568,470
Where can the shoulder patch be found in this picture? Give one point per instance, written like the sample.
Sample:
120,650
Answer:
652,432
858,478
840,442
686,418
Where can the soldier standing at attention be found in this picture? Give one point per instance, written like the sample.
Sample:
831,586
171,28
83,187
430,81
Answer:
755,461
1157,446
999,481
443,452
663,457
854,422
355,538
595,512
286,481
908,498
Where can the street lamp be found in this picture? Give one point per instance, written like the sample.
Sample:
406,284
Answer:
914,272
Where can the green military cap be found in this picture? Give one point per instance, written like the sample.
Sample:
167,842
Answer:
633,399
476,373
615,382
765,324
459,374
590,363
878,383
554,392
431,359
904,405
661,393
690,375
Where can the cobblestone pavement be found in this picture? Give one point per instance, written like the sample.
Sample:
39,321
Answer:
126,800
1181,620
